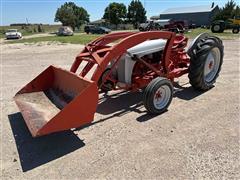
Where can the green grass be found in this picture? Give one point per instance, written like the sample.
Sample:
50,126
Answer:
76,39
24,33
84,38
29,30
226,35
32,29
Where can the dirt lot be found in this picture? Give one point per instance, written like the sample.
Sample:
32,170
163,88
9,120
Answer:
197,138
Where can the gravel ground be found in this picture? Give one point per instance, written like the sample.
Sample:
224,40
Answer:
198,137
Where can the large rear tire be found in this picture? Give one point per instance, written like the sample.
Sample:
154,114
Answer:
217,28
206,64
158,95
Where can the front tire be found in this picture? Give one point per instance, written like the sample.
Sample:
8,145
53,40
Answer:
206,64
235,30
158,95
108,85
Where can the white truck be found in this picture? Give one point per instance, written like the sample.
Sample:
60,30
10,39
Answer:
13,34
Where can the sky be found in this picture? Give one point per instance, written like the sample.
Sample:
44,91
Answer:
43,11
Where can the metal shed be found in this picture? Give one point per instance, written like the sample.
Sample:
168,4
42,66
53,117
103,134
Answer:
198,15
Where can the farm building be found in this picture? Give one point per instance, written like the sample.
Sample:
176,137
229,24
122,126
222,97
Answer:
198,15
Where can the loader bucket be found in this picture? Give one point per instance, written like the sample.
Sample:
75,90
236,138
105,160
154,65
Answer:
57,100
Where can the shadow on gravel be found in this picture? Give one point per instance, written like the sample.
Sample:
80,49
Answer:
34,152
146,117
116,105
124,102
187,93
120,103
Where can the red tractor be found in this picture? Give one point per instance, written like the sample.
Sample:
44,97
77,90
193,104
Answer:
58,100
165,25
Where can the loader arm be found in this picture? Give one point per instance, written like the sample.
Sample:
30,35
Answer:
100,53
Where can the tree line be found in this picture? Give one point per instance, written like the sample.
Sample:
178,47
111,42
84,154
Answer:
69,14
230,10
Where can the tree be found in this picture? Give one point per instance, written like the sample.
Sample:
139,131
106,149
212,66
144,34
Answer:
136,13
237,11
69,14
228,11
115,13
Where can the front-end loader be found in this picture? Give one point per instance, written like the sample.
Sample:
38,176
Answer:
58,99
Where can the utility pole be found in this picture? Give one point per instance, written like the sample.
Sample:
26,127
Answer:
27,20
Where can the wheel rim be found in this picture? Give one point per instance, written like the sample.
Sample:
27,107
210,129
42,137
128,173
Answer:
216,28
212,64
162,97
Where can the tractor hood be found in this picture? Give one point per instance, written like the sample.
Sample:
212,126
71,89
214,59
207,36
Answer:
148,47
126,65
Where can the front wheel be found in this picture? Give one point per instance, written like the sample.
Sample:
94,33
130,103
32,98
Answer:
158,95
107,85
235,30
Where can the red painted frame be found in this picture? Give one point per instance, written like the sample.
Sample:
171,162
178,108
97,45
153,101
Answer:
174,64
